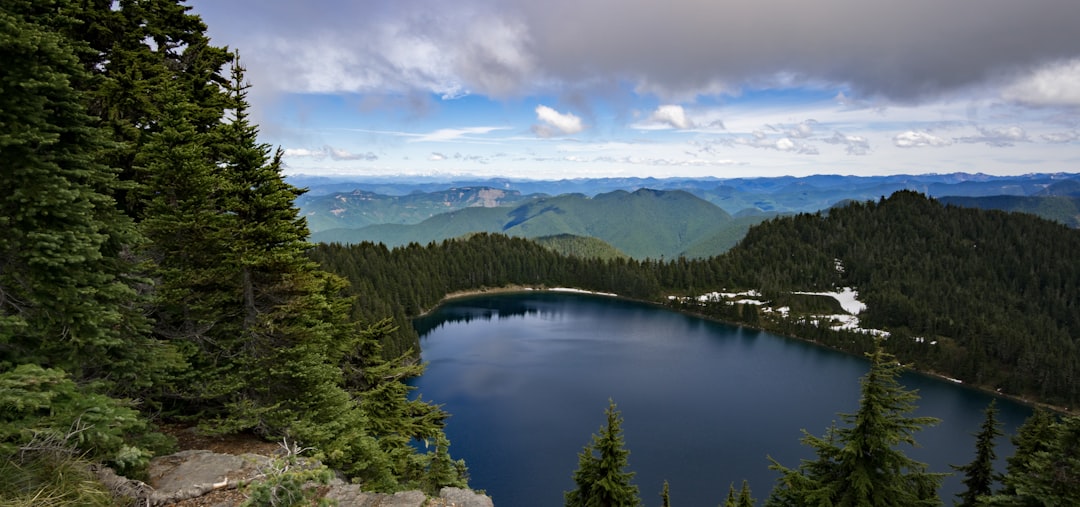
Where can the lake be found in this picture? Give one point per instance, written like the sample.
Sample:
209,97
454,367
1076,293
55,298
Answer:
526,378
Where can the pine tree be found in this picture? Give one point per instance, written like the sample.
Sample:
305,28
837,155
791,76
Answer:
1044,472
742,499
859,465
665,496
600,478
68,294
979,474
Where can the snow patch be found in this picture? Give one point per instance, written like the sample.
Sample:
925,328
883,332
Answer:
847,297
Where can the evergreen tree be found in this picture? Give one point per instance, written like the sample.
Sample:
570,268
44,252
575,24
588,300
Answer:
859,466
665,495
600,478
742,499
979,474
1046,472
68,297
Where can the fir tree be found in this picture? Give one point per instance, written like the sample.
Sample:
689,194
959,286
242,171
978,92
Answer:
859,466
1045,472
979,474
742,499
601,478
68,294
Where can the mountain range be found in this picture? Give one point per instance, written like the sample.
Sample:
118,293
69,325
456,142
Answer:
641,217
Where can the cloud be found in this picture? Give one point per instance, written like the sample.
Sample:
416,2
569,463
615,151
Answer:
918,139
1050,85
855,145
905,51
437,157
329,152
671,116
553,123
1000,137
453,134
760,139
1061,137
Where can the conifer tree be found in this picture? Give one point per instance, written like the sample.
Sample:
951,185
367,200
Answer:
859,465
1045,472
979,474
665,496
601,479
68,296
742,499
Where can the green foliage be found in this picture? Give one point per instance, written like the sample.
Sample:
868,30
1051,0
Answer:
43,409
665,495
742,499
443,471
68,290
859,465
579,246
54,479
601,479
288,481
979,475
1045,470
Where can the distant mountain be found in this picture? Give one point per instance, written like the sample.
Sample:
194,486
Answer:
643,224
359,208
787,194
1062,209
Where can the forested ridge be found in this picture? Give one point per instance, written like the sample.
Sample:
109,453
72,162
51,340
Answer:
997,292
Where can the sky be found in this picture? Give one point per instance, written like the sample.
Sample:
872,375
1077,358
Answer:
552,89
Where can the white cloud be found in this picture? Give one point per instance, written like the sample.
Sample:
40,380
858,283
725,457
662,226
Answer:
855,145
1051,85
918,139
759,139
785,144
452,134
553,123
1060,137
437,157
1000,137
672,116
329,152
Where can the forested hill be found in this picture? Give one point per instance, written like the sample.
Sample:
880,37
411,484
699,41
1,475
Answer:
643,224
998,292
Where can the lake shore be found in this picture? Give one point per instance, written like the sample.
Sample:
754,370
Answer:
511,289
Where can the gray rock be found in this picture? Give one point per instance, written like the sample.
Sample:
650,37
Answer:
349,495
457,497
189,474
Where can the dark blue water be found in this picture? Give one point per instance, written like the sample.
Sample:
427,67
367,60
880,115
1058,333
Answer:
527,377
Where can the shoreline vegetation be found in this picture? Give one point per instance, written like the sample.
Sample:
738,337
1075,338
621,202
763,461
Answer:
524,289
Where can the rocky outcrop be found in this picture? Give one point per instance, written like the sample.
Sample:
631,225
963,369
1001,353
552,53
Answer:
349,495
192,474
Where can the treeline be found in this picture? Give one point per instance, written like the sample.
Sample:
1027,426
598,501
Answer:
153,267
999,293
407,281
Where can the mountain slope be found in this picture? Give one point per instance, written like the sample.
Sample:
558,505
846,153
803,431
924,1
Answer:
642,224
360,208
997,292
1063,209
